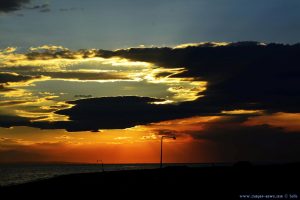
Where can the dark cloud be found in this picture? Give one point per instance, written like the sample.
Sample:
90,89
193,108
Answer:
48,54
229,139
5,89
8,121
42,6
19,69
244,74
127,111
12,5
115,113
7,77
240,75
166,132
235,141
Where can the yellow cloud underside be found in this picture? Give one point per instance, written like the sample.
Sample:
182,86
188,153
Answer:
42,107
184,89
241,112
213,44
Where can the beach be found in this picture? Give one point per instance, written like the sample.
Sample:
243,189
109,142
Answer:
241,181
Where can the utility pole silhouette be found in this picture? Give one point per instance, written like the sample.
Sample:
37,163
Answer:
161,147
101,164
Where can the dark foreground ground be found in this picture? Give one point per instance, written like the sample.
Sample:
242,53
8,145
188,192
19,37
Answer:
172,182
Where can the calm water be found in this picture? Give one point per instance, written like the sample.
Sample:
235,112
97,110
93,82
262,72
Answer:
11,174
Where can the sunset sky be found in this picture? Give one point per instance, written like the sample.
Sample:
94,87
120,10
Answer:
82,81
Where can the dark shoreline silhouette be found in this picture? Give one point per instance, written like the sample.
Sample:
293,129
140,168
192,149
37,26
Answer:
215,182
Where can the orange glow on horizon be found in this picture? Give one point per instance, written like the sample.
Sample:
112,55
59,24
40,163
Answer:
139,144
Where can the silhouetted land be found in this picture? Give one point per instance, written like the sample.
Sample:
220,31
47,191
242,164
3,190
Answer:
180,182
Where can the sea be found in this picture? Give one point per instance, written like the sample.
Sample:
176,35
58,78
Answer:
13,174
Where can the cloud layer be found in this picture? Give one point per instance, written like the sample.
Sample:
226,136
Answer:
12,5
245,74
225,102
6,77
246,78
